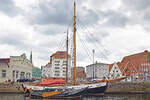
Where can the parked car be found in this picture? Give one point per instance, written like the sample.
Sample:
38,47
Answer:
24,80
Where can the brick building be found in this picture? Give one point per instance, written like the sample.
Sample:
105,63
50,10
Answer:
137,66
80,74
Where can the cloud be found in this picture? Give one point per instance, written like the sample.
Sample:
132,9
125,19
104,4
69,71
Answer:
115,19
8,7
138,5
88,17
53,12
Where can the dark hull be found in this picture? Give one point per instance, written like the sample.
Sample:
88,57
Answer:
87,91
97,90
72,94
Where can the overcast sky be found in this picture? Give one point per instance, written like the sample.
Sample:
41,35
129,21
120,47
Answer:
114,28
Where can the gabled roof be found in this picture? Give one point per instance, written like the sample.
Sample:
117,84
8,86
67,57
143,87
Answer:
110,67
120,67
118,64
61,54
134,62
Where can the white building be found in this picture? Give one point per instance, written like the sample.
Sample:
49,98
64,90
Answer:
46,70
115,71
57,65
15,67
97,70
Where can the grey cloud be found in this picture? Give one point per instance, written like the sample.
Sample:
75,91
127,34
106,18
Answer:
61,12
96,37
137,4
56,12
49,29
89,17
11,40
147,16
116,19
140,10
44,56
9,8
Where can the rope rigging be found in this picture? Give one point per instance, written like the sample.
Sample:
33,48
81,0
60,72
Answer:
92,38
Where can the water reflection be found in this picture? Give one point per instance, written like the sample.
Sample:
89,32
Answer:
105,97
12,97
121,97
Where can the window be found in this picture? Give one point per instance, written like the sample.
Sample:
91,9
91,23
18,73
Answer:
64,74
56,74
56,67
17,74
64,65
29,75
56,71
57,64
13,74
3,73
64,71
22,75
65,62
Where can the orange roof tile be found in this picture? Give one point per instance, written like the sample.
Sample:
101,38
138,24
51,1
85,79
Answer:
120,67
133,62
110,66
61,54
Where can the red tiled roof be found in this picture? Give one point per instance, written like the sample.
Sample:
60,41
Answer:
119,65
61,54
133,63
5,60
110,67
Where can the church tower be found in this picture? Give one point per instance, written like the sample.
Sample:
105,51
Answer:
31,57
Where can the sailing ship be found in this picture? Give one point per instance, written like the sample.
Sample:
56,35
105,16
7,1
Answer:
67,91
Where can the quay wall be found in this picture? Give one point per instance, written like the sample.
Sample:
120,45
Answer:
125,87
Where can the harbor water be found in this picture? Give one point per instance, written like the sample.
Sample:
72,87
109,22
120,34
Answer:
104,97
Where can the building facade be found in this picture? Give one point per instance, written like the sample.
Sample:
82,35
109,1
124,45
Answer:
115,71
57,66
36,73
46,70
15,67
97,70
137,66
